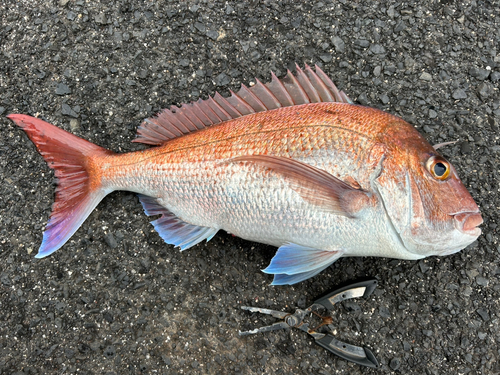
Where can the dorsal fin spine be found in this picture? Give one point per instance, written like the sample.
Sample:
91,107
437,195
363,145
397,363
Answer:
295,85
243,107
328,82
151,132
281,93
323,91
208,112
175,118
185,121
251,96
212,103
260,86
307,86
345,98
226,105
203,112
157,128
192,116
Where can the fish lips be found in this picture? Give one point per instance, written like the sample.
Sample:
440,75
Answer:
465,232
468,222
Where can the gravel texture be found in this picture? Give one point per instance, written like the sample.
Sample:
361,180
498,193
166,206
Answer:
117,300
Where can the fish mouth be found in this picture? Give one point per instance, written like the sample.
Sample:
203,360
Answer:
468,222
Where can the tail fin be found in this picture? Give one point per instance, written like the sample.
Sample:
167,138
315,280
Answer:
79,188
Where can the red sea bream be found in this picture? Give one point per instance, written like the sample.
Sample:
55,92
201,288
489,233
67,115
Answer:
292,163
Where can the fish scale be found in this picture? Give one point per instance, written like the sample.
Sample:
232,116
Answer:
292,163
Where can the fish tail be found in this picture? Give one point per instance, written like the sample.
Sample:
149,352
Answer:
79,189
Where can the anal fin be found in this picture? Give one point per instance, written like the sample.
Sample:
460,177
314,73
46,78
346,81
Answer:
294,263
173,230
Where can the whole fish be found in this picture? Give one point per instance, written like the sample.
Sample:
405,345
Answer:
292,163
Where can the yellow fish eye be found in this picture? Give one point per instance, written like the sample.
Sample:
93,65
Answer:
438,167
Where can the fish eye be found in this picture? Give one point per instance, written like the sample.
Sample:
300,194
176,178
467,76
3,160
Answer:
438,168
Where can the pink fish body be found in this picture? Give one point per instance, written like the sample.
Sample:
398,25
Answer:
291,163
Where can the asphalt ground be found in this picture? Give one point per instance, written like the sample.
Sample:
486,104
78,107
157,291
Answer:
117,300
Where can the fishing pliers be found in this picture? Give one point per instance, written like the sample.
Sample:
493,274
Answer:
360,355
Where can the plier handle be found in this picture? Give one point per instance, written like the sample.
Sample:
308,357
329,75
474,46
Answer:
360,355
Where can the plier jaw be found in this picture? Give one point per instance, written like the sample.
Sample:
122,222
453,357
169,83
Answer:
360,355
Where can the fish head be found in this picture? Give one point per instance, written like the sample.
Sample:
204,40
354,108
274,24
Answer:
427,203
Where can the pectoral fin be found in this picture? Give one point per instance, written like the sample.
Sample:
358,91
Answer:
314,185
294,263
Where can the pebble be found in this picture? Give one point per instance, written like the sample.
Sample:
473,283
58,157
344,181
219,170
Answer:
352,306
63,89
67,110
110,351
389,70
71,15
199,26
479,73
384,98
427,332
5,280
362,99
465,147
400,26
425,76
255,55
377,49
459,94
423,266
302,302
101,19
108,317
384,312
222,79
326,57
482,281
213,34
338,43
110,240
484,314
361,43
485,90
395,364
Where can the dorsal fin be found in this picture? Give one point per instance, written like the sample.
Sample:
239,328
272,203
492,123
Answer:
306,86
